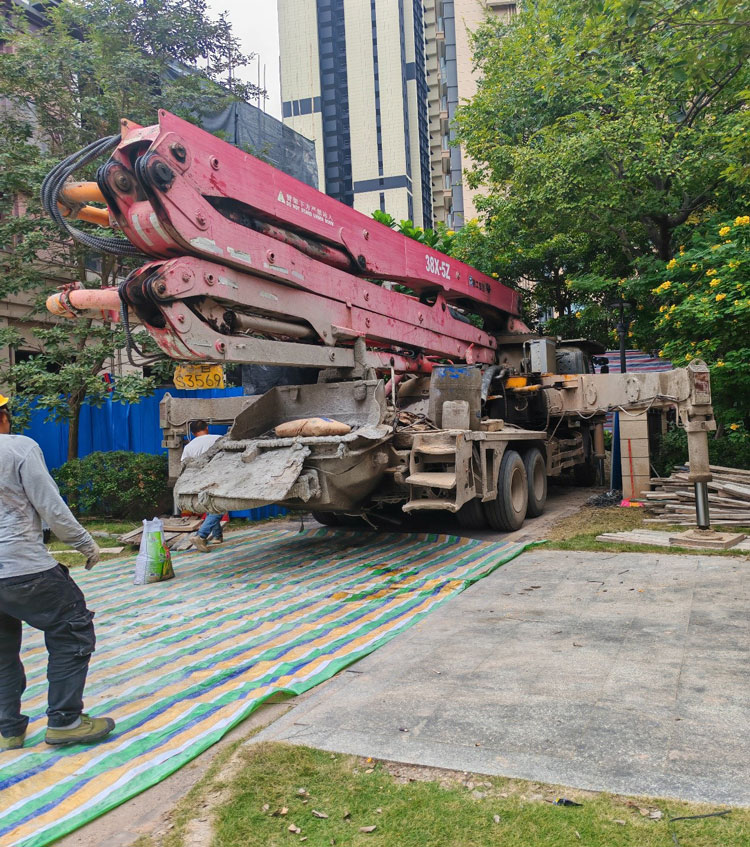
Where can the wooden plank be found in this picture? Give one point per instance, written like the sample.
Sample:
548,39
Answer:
132,537
739,491
634,538
182,524
722,469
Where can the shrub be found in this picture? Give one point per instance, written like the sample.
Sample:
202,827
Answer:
117,484
697,305
731,450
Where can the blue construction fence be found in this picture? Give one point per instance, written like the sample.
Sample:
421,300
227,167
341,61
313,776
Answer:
122,426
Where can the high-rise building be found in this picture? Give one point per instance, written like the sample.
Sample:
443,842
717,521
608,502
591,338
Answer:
452,81
376,84
353,78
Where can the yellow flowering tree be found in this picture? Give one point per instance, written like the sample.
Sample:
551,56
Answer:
697,305
598,131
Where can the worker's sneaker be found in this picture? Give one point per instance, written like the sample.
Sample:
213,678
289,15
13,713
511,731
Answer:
89,729
219,539
199,543
14,742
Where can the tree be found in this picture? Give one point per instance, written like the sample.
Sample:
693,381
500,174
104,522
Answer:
62,87
697,305
598,129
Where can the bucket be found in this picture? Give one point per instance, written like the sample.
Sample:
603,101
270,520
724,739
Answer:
451,382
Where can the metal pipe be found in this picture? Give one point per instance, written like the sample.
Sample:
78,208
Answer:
75,200
622,332
80,193
487,377
326,253
71,303
90,214
701,505
256,323
93,215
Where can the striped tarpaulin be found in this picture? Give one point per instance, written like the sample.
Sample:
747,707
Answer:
180,663
636,362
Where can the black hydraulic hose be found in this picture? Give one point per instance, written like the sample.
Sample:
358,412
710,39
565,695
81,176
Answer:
54,183
130,344
487,377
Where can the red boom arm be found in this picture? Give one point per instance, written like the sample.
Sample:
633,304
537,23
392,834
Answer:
246,253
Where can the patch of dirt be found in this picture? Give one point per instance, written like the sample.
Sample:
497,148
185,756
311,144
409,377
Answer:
478,784
148,820
199,830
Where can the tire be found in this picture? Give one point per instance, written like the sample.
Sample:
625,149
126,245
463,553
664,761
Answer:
507,512
471,515
536,474
327,518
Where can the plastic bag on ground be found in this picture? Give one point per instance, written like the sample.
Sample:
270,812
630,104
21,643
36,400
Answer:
154,561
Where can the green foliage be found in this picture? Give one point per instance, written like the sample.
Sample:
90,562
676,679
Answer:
119,484
597,131
731,450
597,136
697,305
441,238
62,87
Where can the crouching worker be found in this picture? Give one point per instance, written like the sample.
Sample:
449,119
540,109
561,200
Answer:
201,441
36,589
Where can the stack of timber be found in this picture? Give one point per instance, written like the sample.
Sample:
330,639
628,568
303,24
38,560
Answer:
673,499
176,533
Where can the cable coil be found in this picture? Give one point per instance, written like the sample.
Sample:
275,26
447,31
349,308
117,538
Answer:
52,188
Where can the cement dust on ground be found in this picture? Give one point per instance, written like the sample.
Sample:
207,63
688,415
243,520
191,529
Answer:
618,672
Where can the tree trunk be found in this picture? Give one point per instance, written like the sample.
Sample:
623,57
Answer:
665,245
74,423
561,300
664,240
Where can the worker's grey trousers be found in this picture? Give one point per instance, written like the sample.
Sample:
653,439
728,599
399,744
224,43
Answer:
52,602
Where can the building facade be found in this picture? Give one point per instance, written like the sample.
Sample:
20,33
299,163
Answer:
450,69
354,79
376,85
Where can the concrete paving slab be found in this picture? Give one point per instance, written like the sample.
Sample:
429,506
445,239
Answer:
619,672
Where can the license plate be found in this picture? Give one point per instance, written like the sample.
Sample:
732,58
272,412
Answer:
193,377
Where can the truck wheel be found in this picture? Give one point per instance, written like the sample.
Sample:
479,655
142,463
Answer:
327,518
471,515
507,511
536,473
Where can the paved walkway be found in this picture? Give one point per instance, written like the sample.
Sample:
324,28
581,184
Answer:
621,672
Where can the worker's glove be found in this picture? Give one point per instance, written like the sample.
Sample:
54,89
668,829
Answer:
92,554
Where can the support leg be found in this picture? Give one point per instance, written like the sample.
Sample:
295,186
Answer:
701,505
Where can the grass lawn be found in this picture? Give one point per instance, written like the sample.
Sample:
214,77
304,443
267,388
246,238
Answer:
107,530
105,533
579,532
259,796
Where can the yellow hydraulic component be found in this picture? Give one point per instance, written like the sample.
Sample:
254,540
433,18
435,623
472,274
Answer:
79,193
516,382
76,199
